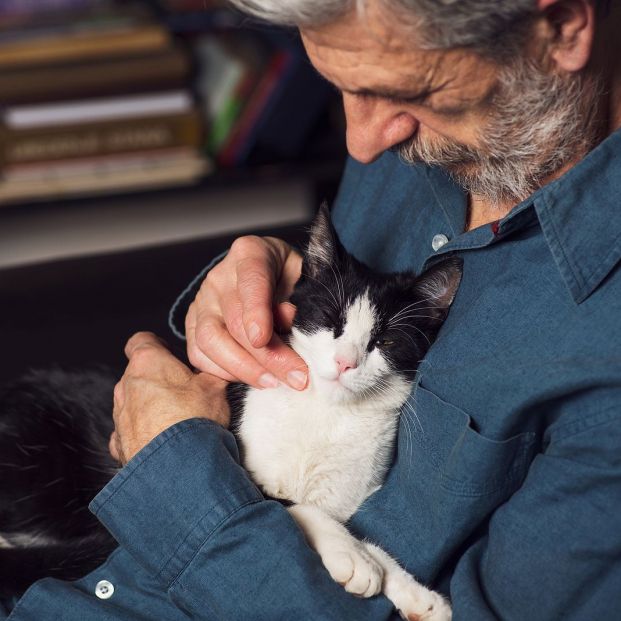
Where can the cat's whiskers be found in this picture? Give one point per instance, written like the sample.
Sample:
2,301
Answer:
407,325
406,317
415,305
335,306
340,288
408,336
411,421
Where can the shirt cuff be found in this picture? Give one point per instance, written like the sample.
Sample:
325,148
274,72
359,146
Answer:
173,494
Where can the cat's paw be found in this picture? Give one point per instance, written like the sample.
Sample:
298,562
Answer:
352,566
420,604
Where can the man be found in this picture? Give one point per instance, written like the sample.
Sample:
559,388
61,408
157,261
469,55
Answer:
481,128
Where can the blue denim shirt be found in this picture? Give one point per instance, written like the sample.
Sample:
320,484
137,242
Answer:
505,491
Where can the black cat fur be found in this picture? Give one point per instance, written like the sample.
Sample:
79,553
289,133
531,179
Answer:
54,431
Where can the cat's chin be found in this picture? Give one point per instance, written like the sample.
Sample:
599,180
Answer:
334,391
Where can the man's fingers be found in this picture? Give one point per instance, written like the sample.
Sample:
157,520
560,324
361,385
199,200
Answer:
149,356
256,291
143,339
227,354
203,363
261,367
284,313
114,447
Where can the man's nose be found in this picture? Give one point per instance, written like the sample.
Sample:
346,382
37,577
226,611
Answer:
374,125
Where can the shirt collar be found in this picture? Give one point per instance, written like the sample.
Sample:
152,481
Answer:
580,216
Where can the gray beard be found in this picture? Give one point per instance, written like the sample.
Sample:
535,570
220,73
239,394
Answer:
539,123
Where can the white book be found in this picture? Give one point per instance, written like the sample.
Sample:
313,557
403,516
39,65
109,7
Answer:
90,111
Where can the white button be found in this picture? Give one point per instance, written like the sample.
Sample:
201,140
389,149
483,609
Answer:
438,241
104,589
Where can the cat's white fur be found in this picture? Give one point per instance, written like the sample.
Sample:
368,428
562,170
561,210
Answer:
328,448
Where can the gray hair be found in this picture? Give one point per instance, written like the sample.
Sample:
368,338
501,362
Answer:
438,23
488,26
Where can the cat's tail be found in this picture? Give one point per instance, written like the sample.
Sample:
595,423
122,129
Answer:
20,566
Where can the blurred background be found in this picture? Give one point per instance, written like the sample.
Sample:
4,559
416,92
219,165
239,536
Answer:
138,138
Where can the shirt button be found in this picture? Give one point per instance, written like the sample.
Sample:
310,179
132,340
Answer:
104,589
438,241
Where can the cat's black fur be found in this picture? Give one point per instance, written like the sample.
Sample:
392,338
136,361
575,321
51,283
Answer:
54,432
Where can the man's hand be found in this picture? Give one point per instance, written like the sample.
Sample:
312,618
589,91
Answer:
157,391
230,325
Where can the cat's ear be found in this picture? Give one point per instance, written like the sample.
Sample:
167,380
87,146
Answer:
322,250
438,285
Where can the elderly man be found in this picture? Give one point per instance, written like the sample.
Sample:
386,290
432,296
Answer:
481,128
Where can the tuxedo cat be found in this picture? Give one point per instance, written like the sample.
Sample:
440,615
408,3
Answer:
328,448
321,451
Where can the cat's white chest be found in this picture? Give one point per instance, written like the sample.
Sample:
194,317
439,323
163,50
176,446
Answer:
301,448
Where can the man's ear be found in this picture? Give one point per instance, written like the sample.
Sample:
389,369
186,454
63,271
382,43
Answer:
571,27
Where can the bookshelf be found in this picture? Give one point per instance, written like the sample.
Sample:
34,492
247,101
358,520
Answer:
107,105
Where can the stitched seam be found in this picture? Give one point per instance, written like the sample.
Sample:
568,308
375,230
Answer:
127,473
601,269
208,536
578,426
577,276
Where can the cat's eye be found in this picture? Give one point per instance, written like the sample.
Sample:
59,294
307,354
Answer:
384,343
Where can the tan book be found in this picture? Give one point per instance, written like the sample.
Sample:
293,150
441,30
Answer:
82,46
93,178
101,138
165,69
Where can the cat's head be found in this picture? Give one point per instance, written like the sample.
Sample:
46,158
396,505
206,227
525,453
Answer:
360,332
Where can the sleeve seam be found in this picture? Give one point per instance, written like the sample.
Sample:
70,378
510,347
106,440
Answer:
130,468
573,428
208,536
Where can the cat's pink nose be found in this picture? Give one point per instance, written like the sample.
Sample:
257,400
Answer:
345,363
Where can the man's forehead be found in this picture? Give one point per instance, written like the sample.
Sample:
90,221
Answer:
374,28
355,54
360,63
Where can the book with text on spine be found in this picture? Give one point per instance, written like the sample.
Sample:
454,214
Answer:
101,175
134,73
100,138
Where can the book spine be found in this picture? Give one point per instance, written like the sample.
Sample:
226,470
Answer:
113,44
239,142
131,74
28,146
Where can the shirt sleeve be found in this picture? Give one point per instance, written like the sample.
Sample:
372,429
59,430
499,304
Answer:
188,513
553,551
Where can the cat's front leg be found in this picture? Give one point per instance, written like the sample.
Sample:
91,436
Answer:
414,601
347,560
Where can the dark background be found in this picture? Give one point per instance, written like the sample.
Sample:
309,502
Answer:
79,312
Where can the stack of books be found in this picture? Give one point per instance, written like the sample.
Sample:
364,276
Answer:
94,98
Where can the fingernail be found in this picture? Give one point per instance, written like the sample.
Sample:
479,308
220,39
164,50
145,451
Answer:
267,380
296,379
254,332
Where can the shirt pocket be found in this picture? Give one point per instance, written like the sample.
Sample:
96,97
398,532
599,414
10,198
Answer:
465,462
